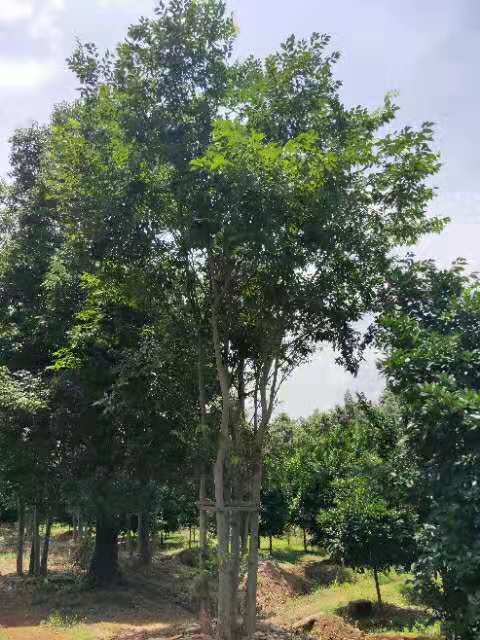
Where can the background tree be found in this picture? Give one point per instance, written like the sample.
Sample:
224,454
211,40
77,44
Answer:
430,333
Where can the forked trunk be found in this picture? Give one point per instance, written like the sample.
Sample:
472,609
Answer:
103,568
20,535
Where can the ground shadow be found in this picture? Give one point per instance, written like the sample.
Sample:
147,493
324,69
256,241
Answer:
157,595
289,555
388,617
325,573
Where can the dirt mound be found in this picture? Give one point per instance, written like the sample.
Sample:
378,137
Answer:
333,628
276,585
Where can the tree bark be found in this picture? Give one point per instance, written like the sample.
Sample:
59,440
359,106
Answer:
104,568
377,588
251,603
252,578
270,545
34,567
46,547
20,535
145,549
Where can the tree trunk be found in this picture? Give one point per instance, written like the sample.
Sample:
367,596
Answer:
224,616
34,568
270,545
377,587
251,603
305,545
145,549
103,568
46,547
204,612
20,535
235,567
245,531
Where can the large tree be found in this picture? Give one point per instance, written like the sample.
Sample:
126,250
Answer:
279,206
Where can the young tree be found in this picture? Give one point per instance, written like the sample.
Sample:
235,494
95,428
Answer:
364,532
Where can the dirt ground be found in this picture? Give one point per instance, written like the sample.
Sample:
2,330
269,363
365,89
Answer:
158,602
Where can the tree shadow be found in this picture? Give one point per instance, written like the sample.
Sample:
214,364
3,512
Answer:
293,556
155,596
388,617
326,573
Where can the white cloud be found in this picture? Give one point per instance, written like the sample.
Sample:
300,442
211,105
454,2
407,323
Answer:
24,74
14,10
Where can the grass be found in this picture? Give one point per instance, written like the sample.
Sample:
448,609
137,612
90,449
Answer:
395,617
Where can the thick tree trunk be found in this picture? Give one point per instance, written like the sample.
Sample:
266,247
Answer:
104,568
46,547
377,587
145,549
20,535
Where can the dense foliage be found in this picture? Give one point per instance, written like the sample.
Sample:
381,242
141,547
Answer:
174,243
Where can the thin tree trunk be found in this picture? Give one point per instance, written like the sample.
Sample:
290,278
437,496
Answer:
145,550
46,547
224,624
204,612
34,567
305,545
190,536
130,544
104,568
251,603
270,545
245,530
20,535
252,577
377,587
235,566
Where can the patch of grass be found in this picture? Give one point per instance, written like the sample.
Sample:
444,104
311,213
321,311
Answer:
62,620
398,616
73,625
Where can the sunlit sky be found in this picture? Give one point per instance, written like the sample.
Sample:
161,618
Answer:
428,51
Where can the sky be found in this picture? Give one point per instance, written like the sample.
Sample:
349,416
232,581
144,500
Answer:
427,51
